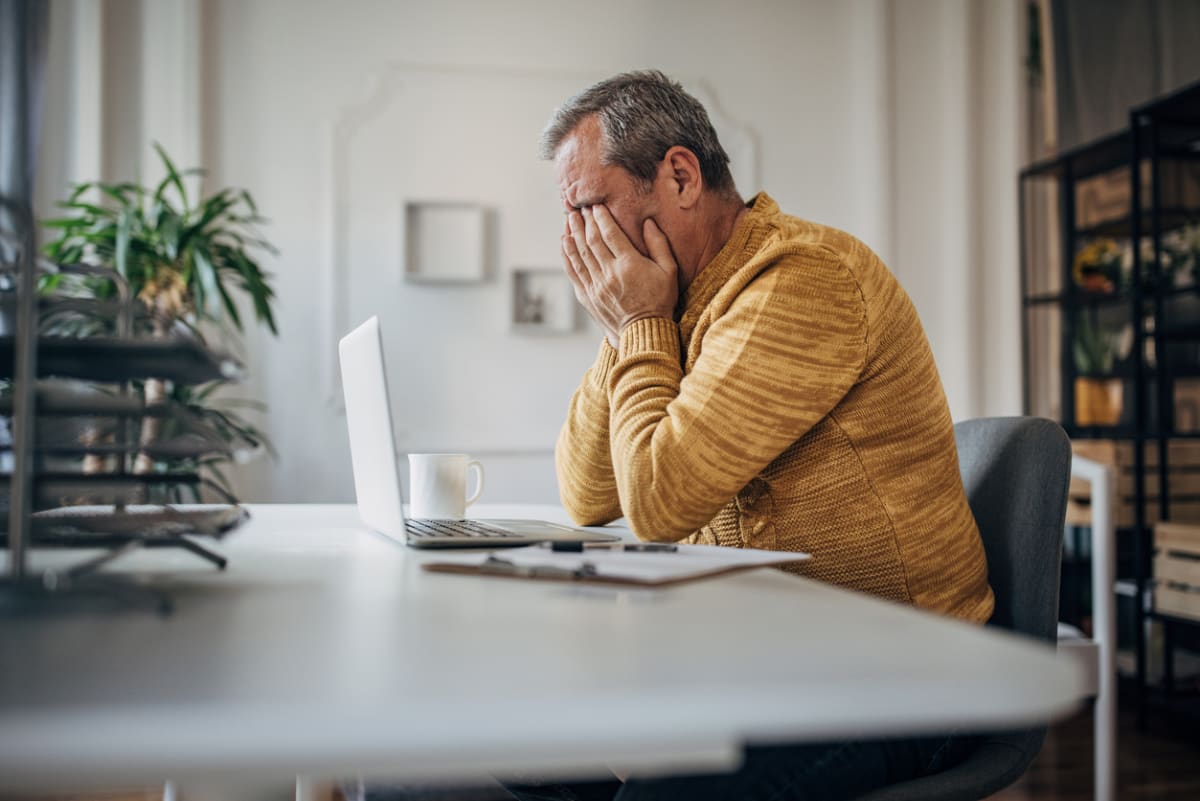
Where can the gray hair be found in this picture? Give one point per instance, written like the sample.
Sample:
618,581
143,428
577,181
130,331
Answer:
643,115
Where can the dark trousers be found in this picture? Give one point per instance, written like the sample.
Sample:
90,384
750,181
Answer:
815,772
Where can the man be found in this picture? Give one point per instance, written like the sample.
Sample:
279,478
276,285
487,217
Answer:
764,382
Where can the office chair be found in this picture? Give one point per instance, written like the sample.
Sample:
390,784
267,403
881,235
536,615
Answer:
1015,472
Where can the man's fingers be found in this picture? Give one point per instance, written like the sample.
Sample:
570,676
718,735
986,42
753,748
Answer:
581,283
580,243
610,233
577,275
576,270
594,235
658,245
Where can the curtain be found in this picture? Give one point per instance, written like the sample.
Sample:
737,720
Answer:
1111,55
23,27
22,54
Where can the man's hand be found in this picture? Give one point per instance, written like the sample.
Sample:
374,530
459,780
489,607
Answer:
613,281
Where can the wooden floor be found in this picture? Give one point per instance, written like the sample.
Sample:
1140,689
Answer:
1159,764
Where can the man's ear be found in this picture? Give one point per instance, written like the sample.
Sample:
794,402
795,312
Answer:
682,170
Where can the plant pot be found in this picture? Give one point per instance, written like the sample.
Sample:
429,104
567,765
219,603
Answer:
1098,401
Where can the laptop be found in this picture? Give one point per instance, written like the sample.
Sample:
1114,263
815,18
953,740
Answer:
377,477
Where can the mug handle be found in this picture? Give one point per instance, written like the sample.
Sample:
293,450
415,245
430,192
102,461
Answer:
478,480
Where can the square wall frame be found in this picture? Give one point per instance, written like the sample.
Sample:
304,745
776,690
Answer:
444,242
543,302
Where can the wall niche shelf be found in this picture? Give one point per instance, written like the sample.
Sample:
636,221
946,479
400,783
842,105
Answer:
445,242
543,302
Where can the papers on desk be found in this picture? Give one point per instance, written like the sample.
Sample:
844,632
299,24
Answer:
652,569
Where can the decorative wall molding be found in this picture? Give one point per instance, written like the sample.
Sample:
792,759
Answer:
738,140
381,89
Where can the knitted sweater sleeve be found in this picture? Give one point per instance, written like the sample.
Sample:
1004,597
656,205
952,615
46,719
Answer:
772,364
582,459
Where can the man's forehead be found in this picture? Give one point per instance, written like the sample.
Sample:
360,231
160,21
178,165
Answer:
581,147
579,177
585,192
575,153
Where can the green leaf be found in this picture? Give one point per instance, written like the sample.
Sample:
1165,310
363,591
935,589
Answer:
121,252
169,237
90,208
244,242
118,193
236,260
172,178
210,210
209,282
71,255
154,217
250,202
230,306
48,283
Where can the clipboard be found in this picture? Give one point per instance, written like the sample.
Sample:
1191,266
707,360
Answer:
613,566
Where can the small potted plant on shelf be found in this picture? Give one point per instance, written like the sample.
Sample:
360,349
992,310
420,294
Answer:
1098,394
1181,253
187,260
1097,266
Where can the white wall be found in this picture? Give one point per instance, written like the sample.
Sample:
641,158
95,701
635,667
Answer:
954,88
895,122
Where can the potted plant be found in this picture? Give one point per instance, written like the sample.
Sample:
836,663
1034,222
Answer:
187,260
1098,394
1181,253
1097,266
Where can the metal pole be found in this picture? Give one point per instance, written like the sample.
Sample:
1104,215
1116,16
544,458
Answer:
1027,311
24,412
1140,534
1104,620
19,194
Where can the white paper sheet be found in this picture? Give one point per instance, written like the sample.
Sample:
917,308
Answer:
613,566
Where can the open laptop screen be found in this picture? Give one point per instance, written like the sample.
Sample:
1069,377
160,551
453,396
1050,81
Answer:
369,420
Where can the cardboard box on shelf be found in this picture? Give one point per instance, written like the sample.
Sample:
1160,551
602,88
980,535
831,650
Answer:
1183,480
1104,198
1177,569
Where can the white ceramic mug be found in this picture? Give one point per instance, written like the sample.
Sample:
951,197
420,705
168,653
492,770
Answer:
438,483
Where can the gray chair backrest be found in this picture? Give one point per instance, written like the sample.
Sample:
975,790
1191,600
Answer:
1015,471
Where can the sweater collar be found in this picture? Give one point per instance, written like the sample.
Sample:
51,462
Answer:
746,238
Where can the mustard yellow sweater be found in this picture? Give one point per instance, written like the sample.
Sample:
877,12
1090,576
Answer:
794,406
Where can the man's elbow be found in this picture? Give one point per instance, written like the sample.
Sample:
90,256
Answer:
651,524
583,513
590,517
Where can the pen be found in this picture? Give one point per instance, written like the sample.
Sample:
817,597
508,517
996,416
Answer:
628,547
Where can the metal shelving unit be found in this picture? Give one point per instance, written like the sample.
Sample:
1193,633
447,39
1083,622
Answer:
1164,132
46,479
111,509
1132,188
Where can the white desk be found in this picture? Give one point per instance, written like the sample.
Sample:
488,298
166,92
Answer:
323,649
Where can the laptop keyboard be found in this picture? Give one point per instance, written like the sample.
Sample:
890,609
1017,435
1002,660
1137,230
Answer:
455,528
